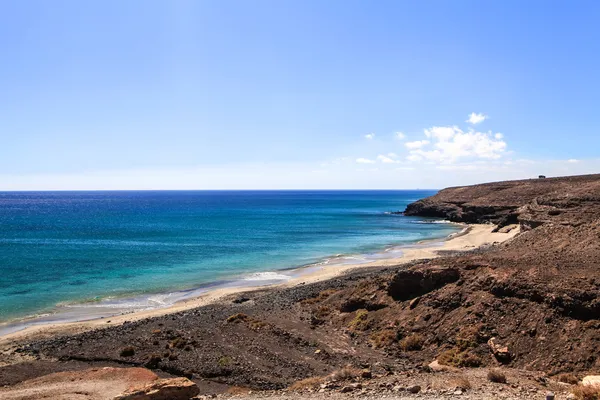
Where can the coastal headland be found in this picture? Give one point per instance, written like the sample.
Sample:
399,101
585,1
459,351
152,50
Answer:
516,293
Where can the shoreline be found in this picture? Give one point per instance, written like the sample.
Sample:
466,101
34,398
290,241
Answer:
473,236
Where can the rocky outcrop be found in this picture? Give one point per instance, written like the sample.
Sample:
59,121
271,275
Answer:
406,285
528,202
163,389
89,384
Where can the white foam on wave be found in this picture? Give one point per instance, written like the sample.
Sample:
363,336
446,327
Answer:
266,276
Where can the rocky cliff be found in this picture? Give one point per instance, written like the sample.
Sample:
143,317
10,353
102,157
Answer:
529,202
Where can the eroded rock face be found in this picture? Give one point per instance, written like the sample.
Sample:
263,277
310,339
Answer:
530,202
90,384
163,389
406,285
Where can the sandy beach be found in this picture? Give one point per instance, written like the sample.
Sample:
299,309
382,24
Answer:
471,237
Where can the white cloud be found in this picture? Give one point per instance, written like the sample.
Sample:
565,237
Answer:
386,160
499,136
364,161
370,136
392,155
475,118
400,135
417,144
441,133
573,161
450,143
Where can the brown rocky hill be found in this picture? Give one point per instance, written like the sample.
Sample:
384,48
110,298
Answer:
538,294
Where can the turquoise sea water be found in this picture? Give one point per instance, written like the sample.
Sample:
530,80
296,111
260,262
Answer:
67,249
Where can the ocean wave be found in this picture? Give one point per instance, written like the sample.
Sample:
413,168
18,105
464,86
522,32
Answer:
437,221
266,276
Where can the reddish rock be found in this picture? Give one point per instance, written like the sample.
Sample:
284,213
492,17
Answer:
163,389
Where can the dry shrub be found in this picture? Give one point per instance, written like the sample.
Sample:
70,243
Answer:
237,390
471,361
153,361
384,338
496,376
127,351
178,343
308,383
412,342
461,382
253,323
322,311
345,374
588,392
456,358
237,318
320,297
360,321
568,378
256,324
469,337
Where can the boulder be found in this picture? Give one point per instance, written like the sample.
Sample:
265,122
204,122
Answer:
162,389
435,366
90,384
414,389
500,352
591,380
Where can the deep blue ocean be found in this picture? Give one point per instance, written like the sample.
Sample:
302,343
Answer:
76,248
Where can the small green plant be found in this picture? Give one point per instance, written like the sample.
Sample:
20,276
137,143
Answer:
360,321
225,361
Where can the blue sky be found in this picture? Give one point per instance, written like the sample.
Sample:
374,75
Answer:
295,94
